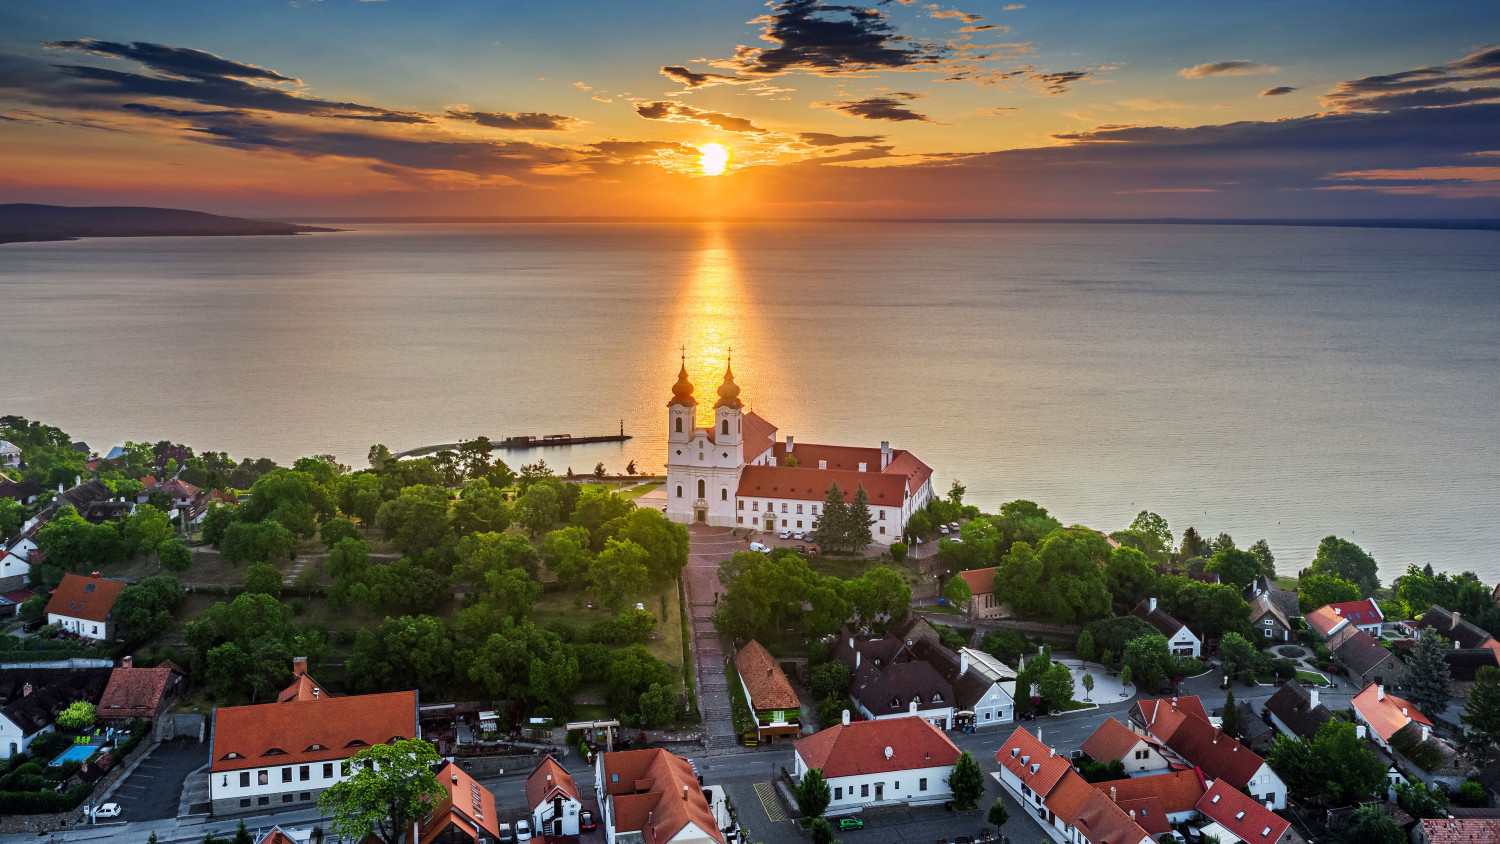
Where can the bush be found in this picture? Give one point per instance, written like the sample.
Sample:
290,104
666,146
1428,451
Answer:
43,802
1290,651
48,745
1006,645
1472,794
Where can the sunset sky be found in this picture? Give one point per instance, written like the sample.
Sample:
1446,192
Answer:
897,109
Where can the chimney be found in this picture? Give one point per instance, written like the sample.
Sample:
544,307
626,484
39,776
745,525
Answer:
1051,752
1426,731
885,455
863,466
1337,611
299,666
549,779
963,661
1380,691
316,692
846,717
684,794
1113,794
1038,735
1217,731
94,575
857,656
1153,604
455,776
789,444
912,707
851,641
127,662
77,480
1456,619
1312,699
26,690
1406,713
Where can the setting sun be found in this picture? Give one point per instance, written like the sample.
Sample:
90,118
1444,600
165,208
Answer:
713,158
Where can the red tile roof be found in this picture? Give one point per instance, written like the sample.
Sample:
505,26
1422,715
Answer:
657,788
88,598
860,748
769,688
1069,796
811,484
136,692
466,805
276,836
1112,740
1187,703
1329,617
1103,821
319,730
1462,830
545,779
1148,813
1204,745
1021,751
758,435
1385,715
980,580
1243,817
1178,791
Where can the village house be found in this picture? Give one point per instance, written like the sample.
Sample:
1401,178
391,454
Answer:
85,605
139,692
1182,726
1457,831
1285,599
26,492
464,814
22,553
553,799
1400,729
1235,818
1364,658
292,750
1331,618
1267,619
31,698
1140,755
1385,713
10,454
984,688
187,501
1297,712
1180,639
1156,802
1047,786
1459,631
652,797
872,763
888,682
773,702
982,601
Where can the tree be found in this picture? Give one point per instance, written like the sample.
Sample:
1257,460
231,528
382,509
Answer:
565,553
898,551
246,646
834,523
256,542
1427,681
1342,558
1371,825
1085,647
1236,649
881,591
379,456
481,508
349,558
1231,723
474,457
997,815
1113,634
360,495
1319,590
1061,579
966,782
78,716
1481,716
1147,658
295,498
619,572
1222,542
630,468
1022,521
1088,686
1129,577
416,520
657,706
1210,609
263,579
813,794
12,516
144,609
70,542
859,536
831,679
957,591
402,652
1334,767
174,556
596,507
1421,801
1153,525
537,509
1193,545
666,542
1262,551
1234,566
633,671
1125,676
1057,687
388,788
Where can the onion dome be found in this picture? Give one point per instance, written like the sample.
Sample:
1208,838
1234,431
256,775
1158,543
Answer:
682,391
729,392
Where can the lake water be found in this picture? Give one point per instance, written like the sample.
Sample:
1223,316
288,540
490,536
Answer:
1272,382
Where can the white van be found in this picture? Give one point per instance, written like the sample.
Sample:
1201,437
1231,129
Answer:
756,546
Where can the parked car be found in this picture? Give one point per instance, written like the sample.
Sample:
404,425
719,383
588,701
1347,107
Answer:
1171,838
959,540
104,812
797,535
851,823
507,835
943,529
523,831
786,534
757,546
953,525
586,821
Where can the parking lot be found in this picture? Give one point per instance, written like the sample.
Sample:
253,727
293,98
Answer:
154,788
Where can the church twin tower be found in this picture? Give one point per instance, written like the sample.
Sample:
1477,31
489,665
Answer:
704,464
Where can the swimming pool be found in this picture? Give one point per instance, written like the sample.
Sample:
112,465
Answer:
77,752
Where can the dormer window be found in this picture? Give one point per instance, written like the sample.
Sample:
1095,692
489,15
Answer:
275,751
1216,798
233,755
1240,815
357,743
937,697
895,703
1265,832
314,747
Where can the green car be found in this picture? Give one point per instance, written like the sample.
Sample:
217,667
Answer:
851,823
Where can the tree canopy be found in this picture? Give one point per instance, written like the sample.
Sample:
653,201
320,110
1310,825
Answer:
1334,767
388,788
1319,590
1061,579
1342,558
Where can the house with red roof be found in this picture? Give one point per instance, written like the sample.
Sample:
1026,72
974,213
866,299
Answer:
1235,818
653,797
1457,831
1385,714
736,473
135,693
1046,784
553,798
982,601
1182,726
1138,753
290,751
85,605
277,835
771,697
463,813
1180,640
879,763
1331,618
1158,801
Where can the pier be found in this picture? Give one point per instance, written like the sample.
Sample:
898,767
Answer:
517,443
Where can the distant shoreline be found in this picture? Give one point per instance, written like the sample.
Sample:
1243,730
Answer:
30,223
1371,223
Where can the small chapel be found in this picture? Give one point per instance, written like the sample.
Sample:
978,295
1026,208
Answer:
737,473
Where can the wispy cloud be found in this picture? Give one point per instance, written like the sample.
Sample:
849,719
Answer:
1422,87
1277,91
1233,67
682,113
514,120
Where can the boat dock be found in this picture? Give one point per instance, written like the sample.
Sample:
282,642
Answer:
521,443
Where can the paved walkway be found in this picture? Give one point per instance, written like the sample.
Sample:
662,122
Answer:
708,547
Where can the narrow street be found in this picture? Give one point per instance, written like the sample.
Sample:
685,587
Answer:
709,547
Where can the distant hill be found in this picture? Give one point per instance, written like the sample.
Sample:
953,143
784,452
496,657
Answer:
20,223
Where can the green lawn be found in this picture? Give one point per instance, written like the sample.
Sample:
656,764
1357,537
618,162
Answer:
1310,677
569,608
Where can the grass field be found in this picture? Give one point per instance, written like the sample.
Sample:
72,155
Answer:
569,608
1310,677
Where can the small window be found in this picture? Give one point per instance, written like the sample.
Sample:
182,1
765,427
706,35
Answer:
89,588
264,801
304,773
679,424
882,515
702,488
864,790
724,494
815,509
739,520
783,506
754,505
327,770
244,802
1240,815
882,529
244,779
987,716
783,522
739,505
799,524
838,792
1143,754
305,796
286,774
1268,632
286,798
724,427
922,784
799,509
263,777
679,490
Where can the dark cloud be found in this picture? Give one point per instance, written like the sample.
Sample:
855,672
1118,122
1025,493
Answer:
823,139
1422,87
864,154
892,107
1057,82
385,117
147,108
966,17
982,28
174,61
681,113
631,152
829,38
516,120
1234,67
693,79
1277,91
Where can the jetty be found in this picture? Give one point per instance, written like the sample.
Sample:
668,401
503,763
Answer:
516,443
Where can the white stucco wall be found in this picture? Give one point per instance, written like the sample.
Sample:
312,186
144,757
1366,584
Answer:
82,626
10,734
543,814
226,785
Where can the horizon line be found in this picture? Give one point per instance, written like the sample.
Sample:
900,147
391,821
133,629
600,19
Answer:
1448,223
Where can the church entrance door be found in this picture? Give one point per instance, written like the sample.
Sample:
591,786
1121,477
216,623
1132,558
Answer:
702,515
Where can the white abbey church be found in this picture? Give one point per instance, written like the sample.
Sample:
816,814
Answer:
737,474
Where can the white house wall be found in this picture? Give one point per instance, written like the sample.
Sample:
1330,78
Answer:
228,793
82,626
13,740
897,787
542,816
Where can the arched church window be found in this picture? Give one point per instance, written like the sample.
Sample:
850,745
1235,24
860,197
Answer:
724,494
725,427
702,489
679,424
679,490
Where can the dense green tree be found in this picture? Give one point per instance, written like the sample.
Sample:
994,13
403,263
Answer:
360,496
957,592
566,554
1222,542
416,520
1022,521
813,794
334,531
69,542
349,558
1193,545
144,609
255,542
666,542
379,457
1061,580
406,586
1231,723
1370,825
448,468
242,834
78,716
1085,647
879,592
1428,680
263,640
831,679
502,661
474,457
860,519
55,465
633,671
1334,767
1149,523
263,579
765,592
1342,558
597,506
1112,634
294,498
1319,590
967,782
1262,551
1421,801
482,553
174,555
657,705
1240,652
1235,567
1057,687
1129,577
997,816
481,508
387,791
976,551
834,524
1148,659
537,509
1460,593
619,573
1481,718
1209,609
216,522
12,516
401,653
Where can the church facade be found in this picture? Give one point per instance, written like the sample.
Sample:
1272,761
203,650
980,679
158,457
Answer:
737,473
